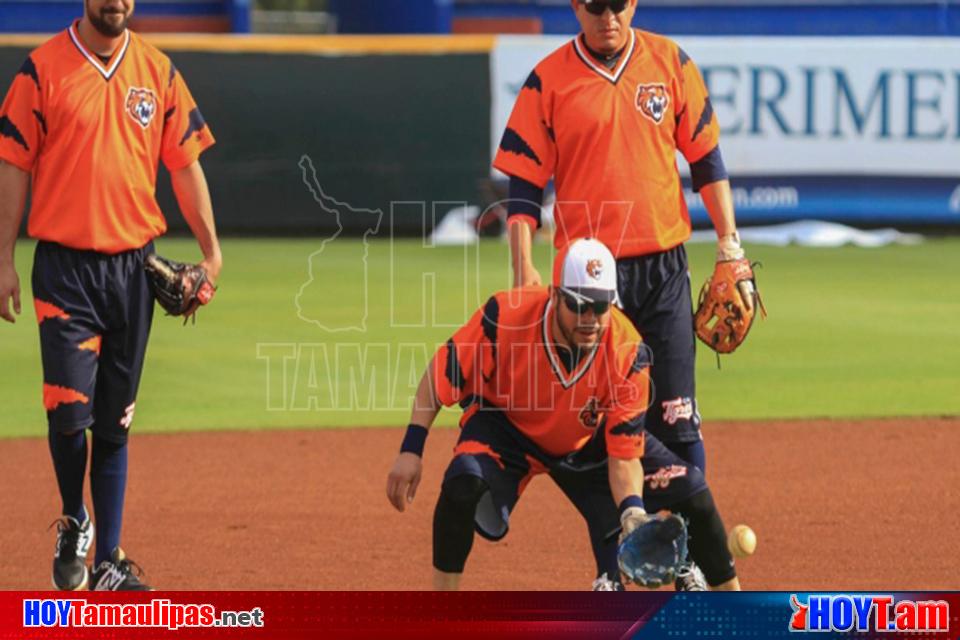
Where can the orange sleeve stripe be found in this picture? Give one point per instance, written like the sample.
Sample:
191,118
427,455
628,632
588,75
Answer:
625,447
536,468
469,413
476,448
46,310
54,396
445,392
515,168
93,344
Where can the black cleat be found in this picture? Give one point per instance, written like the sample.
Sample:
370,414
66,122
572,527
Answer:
117,574
690,578
70,571
603,583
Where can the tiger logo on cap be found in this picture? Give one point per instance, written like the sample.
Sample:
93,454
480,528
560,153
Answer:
594,269
653,100
141,105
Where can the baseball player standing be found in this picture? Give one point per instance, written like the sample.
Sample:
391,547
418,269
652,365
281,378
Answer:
604,116
553,381
89,116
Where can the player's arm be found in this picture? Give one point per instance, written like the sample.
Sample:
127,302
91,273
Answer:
528,154
450,378
521,255
625,435
718,200
698,137
404,477
13,193
626,478
626,484
523,218
710,179
193,196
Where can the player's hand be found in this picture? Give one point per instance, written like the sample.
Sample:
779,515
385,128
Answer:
403,480
9,290
633,518
212,266
729,249
527,276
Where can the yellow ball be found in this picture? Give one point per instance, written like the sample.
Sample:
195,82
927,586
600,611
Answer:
742,541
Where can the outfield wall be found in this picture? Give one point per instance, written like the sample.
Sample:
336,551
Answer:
382,119
745,17
858,130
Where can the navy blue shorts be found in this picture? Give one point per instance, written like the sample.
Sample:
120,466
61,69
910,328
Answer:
491,448
94,312
655,293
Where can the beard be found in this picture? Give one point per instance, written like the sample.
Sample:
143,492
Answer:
104,22
573,340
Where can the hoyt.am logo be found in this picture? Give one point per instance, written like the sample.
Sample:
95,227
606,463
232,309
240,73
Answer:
843,612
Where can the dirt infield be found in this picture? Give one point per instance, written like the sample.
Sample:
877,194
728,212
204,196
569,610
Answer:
836,505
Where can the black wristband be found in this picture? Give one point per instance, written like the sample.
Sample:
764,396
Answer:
414,440
631,501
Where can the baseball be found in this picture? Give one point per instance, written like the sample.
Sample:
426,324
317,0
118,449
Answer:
742,541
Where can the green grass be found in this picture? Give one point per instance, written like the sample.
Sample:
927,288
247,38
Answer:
851,332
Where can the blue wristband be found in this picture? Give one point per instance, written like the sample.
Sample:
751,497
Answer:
631,501
414,440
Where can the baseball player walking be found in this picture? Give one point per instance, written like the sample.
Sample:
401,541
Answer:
89,116
604,116
555,381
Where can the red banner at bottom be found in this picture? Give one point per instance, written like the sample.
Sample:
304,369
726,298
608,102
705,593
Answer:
294,615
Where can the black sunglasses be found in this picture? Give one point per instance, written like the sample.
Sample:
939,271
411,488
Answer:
580,305
597,8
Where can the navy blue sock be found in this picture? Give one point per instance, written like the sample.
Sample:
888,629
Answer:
692,452
69,453
108,483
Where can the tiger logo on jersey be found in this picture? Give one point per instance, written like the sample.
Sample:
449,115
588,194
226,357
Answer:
594,269
590,414
653,101
141,105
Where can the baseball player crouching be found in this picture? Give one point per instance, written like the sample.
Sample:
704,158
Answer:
554,380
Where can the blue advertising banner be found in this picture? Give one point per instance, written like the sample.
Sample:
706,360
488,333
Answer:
849,199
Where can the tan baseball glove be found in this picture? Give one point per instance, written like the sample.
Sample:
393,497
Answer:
729,301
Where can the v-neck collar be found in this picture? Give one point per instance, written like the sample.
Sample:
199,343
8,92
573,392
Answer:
582,367
106,72
613,75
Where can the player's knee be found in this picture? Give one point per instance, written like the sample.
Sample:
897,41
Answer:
453,522
699,508
707,537
463,492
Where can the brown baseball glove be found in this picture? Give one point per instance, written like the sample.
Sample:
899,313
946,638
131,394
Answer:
728,304
179,288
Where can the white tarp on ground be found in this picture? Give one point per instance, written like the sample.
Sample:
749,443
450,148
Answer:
458,228
815,233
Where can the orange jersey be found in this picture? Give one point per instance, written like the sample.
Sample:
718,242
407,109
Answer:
92,134
504,355
609,139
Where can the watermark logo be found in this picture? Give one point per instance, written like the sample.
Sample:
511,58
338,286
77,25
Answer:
866,613
157,613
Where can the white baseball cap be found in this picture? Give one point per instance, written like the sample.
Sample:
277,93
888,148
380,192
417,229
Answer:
587,269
